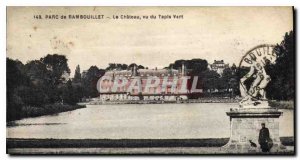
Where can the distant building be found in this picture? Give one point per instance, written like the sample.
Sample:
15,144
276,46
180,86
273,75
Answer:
218,66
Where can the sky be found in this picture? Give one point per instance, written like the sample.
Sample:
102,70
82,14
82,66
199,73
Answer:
211,33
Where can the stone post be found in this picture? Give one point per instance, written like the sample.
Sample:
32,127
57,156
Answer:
245,124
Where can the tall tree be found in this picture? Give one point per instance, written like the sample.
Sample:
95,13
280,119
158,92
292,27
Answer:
210,80
90,81
14,79
38,72
69,96
77,75
282,85
58,66
229,80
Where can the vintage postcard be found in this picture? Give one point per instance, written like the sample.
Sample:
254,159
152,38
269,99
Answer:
150,80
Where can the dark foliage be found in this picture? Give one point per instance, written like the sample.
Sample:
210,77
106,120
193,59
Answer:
37,84
282,85
77,75
210,81
89,81
118,66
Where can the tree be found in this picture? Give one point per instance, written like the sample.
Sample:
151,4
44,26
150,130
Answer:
229,80
77,75
58,69
117,66
177,64
210,80
140,67
38,72
37,84
69,96
90,81
14,79
58,66
196,66
136,65
282,85
32,95
193,67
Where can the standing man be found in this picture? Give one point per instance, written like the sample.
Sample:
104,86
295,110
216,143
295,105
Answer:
264,138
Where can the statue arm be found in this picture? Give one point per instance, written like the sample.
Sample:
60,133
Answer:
248,75
264,72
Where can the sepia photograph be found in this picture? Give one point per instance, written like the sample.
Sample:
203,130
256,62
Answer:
151,80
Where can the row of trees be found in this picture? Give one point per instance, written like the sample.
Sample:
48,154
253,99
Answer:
46,81
87,81
36,83
212,83
40,83
119,66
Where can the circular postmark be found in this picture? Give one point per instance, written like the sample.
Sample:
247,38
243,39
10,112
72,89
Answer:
259,53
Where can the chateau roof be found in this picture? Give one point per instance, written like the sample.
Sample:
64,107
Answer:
143,72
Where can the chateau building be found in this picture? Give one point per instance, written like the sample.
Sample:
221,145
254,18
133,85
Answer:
169,88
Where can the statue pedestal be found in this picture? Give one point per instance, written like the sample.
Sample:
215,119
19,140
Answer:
245,125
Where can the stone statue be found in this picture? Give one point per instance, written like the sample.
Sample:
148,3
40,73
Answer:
256,59
246,136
